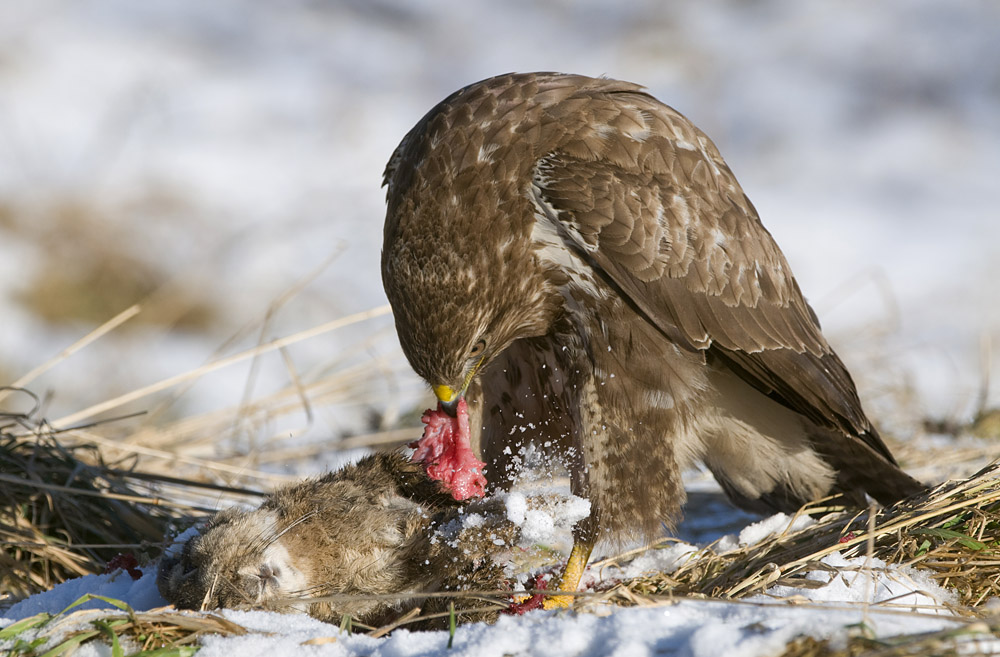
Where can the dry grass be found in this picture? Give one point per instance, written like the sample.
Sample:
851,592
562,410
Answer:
64,512
970,640
229,446
202,445
952,532
160,632
59,493
72,496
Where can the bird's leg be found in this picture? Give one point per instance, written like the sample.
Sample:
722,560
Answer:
584,533
571,575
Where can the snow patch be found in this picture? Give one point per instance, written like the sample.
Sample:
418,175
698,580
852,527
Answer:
142,594
871,581
517,507
660,560
542,514
779,523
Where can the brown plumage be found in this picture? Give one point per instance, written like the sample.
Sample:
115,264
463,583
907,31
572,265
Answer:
577,259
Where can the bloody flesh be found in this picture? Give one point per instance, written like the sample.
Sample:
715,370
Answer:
446,452
530,603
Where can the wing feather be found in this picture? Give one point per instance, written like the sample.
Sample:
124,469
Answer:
665,219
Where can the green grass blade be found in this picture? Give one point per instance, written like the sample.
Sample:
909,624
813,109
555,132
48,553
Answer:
965,541
71,643
14,629
87,597
109,631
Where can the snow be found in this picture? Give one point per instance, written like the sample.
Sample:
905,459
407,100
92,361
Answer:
517,507
888,599
239,146
757,626
553,511
777,524
660,560
870,581
141,594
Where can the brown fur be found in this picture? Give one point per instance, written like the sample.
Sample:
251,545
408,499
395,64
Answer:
368,529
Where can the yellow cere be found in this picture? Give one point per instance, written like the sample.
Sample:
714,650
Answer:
445,393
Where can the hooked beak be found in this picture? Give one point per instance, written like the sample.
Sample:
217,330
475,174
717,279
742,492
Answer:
448,399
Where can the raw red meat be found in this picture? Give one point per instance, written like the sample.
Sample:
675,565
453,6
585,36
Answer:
530,603
126,562
447,453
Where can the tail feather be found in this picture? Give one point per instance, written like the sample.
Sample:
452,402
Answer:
861,469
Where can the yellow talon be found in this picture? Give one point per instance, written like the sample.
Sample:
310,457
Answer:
558,602
571,576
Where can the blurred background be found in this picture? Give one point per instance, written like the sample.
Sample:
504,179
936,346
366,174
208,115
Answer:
219,164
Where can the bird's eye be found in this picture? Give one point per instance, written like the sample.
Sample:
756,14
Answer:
478,349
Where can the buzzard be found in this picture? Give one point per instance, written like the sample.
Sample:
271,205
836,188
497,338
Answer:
570,260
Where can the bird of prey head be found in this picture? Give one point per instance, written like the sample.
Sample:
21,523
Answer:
456,263
461,322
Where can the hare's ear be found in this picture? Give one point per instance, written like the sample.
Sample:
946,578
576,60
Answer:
412,481
400,519
399,504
